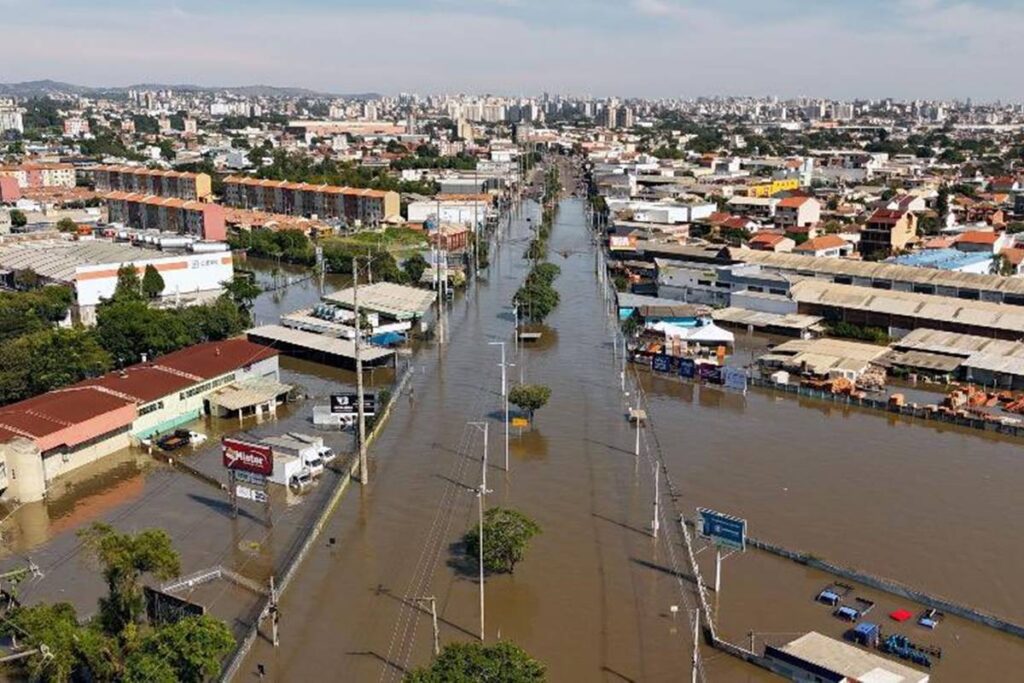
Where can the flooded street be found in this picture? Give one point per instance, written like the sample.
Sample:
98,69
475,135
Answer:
933,508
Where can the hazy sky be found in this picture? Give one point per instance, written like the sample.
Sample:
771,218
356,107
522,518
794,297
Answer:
839,48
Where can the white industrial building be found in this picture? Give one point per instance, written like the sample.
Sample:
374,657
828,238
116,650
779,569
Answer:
90,268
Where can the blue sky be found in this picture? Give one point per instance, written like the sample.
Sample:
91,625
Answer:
836,48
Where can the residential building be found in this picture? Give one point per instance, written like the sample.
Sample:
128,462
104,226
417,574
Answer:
35,176
799,212
888,231
770,188
188,186
354,205
11,119
771,241
468,209
828,246
167,214
76,126
982,242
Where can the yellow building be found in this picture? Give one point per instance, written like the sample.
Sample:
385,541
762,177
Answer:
770,188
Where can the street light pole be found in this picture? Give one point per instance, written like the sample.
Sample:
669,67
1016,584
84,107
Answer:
364,471
481,492
504,395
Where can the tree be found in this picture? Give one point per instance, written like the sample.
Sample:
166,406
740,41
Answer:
67,225
1001,265
942,202
152,282
77,652
414,267
125,558
529,397
536,299
188,650
502,662
26,278
128,287
18,218
242,290
506,534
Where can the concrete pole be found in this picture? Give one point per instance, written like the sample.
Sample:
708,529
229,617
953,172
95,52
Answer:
718,570
696,645
654,523
364,471
504,395
636,418
437,633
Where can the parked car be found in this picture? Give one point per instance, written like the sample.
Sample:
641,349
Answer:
179,438
301,481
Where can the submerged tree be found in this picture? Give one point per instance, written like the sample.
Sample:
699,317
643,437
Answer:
502,662
529,397
506,534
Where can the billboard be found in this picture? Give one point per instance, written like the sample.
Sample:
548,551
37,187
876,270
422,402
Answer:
661,363
687,368
712,374
164,608
348,404
734,378
247,457
621,243
249,493
723,530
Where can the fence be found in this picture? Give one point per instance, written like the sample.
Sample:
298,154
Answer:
292,564
912,411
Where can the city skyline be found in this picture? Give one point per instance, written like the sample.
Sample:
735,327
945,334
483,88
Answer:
926,49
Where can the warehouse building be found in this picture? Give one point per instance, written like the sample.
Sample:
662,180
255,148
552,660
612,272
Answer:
89,268
48,436
996,363
901,312
815,658
156,182
353,205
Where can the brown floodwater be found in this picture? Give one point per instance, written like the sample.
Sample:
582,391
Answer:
934,508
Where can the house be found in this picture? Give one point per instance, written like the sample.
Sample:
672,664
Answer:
982,241
888,231
831,246
1004,184
1014,259
771,241
797,212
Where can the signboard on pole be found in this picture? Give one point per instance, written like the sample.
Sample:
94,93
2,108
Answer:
687,368
250,493
247,457
348,404
723,530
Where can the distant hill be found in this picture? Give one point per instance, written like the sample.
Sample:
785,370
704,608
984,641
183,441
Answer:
48,87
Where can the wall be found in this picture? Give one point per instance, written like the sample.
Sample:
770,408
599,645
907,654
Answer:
58,464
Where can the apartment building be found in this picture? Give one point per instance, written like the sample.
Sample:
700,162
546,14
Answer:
11,118
888,231
167,214
797,212
367,207
32,176
187,186
76,126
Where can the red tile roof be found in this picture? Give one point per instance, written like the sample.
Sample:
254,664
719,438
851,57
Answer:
978,237
793,202
823,242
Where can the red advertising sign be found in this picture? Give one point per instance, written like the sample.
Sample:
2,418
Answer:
249,457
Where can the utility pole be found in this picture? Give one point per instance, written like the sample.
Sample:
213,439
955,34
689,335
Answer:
433,613
636,419
364,471
481,493
274,612
504,395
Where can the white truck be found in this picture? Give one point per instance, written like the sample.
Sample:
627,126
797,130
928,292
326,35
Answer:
306,448
286,467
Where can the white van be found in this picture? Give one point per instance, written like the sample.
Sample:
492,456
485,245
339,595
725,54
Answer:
301,481
315,465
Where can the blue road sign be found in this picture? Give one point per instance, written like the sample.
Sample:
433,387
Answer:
723,530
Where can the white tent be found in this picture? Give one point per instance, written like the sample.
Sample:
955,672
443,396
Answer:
709,334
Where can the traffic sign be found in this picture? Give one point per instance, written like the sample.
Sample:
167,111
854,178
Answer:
250,478
723,530
247,457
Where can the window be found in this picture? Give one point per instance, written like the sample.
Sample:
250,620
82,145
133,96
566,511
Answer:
971,294
704,283
755,288
150,407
